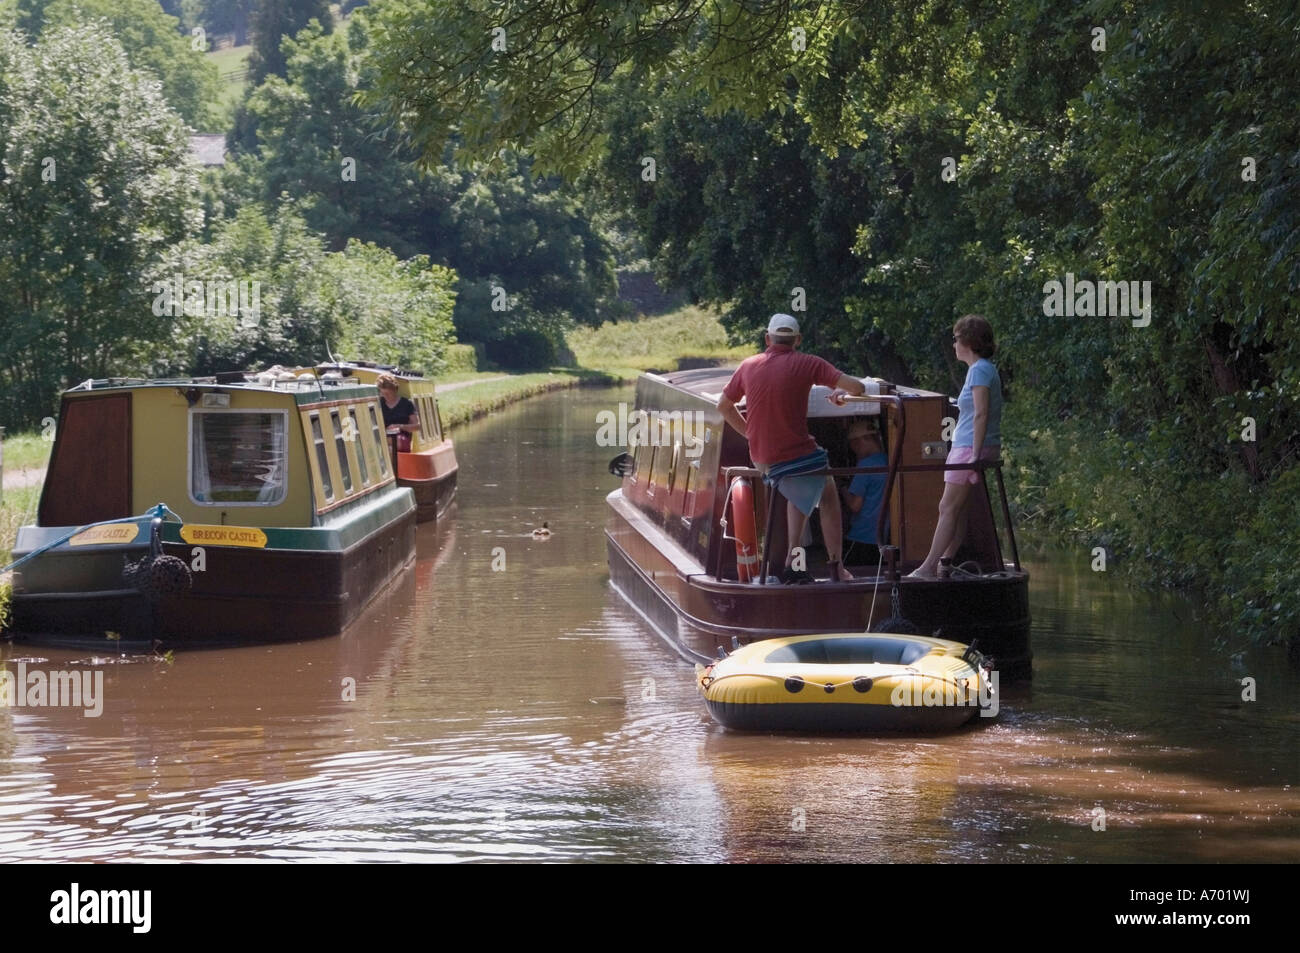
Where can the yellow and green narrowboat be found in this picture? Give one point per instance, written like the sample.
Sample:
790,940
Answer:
693,531
429,467
226,509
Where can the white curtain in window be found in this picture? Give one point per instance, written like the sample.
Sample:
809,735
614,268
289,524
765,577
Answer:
273,477
200,481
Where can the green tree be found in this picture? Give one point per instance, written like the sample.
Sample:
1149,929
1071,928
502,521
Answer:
95,186
275,20
152,41
285,261
749,216
532,76
313,141
363,301
397,312
227,16
355,179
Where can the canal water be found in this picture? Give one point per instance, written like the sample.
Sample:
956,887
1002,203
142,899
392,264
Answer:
501,702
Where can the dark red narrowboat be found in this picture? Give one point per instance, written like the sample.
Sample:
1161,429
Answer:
672,529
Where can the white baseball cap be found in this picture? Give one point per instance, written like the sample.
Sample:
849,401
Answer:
782,324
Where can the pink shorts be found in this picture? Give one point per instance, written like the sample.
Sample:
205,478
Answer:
966,455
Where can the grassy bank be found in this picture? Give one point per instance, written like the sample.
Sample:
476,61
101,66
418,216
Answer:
609,354
19,507
464,404
26,451
685,337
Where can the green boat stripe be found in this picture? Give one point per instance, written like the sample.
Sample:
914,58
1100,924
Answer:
339,531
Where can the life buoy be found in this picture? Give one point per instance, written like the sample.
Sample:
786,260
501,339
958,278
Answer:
742,515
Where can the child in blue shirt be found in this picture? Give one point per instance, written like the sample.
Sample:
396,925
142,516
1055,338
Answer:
865,492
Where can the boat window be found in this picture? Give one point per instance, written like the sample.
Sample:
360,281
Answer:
672,467
428,419
634,448
322,459
436,417
381,442
341,446
238,458
655,462
360,446
688,493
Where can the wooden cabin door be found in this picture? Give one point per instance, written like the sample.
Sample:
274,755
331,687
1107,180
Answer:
89,477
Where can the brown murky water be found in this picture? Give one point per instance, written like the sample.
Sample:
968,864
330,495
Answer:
528,714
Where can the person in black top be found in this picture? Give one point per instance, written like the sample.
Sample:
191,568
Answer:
399,412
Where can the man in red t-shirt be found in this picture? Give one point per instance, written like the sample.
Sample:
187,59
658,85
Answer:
775,385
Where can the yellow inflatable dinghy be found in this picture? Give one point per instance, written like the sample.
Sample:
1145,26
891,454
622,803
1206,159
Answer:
862,682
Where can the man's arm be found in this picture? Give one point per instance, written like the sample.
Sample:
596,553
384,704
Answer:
845,385
731,415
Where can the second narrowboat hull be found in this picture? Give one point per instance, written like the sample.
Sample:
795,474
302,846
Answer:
432,497
431,476
696,613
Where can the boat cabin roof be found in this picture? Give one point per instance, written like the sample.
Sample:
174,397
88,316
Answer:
707,384
305,388
369,369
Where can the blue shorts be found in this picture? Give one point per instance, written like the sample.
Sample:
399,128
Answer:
805,492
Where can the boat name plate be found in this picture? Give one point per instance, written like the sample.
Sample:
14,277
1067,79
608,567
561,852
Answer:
101,535
197,534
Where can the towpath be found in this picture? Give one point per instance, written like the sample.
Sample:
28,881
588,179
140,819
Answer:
25,476
443,388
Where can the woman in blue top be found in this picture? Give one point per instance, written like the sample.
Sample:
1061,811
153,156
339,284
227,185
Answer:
978,437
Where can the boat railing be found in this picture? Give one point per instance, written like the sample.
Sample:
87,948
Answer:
891,471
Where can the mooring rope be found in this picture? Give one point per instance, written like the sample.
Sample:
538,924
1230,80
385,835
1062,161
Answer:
161,511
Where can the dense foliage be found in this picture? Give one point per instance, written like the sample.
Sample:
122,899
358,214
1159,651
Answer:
360,302
354,178
95,185
107,267
271,21
152,40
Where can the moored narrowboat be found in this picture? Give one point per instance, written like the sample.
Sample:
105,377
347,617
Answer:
694,537
427,464
224,509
